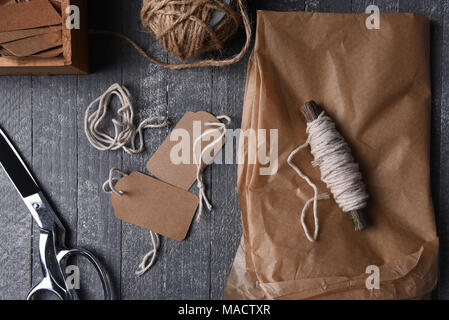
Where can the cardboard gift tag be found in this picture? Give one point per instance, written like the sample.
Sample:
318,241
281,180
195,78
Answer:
4,52
188,129
154,205
28,46
9,36
50,53
27,15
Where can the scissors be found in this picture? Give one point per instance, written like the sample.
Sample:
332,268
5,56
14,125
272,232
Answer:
52,250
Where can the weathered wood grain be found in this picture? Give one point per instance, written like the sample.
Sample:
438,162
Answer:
98,229
55,152
15,220
187,263
278,5
384,5
228,88
148,85
328,6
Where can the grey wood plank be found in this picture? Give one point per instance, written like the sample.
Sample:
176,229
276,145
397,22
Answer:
15,220
187,269
148,85
278,5
55,152
384,5
226,230
328,6
444,169
98,229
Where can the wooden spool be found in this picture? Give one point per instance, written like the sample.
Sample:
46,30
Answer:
311,112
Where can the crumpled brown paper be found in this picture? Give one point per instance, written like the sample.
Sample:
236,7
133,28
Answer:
375,85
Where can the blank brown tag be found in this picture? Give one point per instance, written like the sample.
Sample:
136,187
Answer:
155,205
181,175
27,15
50,53
9,36
28,46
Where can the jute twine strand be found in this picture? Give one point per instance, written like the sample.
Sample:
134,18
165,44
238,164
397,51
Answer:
182,28
124,130
150,258
338,170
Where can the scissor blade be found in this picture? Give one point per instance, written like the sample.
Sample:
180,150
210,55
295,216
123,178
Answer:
16,169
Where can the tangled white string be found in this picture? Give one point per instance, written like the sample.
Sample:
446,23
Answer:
338,170
149,258
221,128
124,130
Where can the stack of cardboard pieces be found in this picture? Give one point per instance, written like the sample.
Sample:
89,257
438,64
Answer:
30,28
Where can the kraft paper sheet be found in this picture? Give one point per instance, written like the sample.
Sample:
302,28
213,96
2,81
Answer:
375,84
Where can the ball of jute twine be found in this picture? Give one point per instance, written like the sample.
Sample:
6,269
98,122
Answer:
182,27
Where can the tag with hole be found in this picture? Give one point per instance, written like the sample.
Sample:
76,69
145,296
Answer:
174,161
154,205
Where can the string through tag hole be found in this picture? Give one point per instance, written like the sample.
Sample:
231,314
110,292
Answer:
109,185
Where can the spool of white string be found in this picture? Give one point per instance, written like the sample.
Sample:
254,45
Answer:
338,170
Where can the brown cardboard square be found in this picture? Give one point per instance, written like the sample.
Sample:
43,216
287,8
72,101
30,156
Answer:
75,57
27,15
4,52
155,205
9,36
49,53
28,46
180,175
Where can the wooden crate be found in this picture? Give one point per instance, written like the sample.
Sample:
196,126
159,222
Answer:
75,58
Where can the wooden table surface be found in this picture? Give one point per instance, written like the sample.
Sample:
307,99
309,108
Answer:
44,117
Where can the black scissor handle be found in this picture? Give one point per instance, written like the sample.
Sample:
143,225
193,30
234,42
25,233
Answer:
63,255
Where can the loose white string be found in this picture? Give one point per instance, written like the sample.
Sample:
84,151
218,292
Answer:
149,258
315,198
220,127
338,170
124,130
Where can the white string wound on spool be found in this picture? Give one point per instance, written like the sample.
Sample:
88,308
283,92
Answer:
338,169
150,258
124,130
221,128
